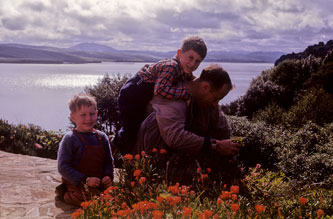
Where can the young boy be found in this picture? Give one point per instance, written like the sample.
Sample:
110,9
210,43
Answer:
84,157
159,79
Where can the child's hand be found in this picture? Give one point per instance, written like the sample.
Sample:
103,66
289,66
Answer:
93,181
106,181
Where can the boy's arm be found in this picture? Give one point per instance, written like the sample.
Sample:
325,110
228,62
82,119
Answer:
108,166
165,85
65,161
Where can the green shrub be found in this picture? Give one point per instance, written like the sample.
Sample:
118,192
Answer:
272,114
304,154
315,105
106,92
298,90
29,140
262,92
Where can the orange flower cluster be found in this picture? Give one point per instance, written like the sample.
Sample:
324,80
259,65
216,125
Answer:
173,200
205,214
123,213
84,205
77,213
128,157
110,189
142,180
187,212
157,214
174,189
234,207
143,206
260,208
320,213
302,200
137,173
234,189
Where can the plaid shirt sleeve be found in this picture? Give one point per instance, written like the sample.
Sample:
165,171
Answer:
166,86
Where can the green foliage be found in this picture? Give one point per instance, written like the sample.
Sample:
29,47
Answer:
304,154
262,91
29,140
292,93
106,93
315,105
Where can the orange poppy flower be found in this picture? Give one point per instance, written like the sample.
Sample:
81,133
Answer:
157,214
142,180
137,173
234,189
260,208
207,213
225,195
302,200
187,211
160,199
128,156
77,213
234,207
320,213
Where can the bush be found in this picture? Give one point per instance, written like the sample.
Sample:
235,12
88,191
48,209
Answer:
106,92
304,154
29,140
262,92
289,88
314,105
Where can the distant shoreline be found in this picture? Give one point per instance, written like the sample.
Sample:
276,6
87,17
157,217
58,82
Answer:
152,61
43,62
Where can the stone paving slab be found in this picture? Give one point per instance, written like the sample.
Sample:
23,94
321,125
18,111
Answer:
27,186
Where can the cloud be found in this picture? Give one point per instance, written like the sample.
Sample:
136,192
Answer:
161,25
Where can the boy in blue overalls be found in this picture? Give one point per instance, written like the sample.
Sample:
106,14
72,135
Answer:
84,156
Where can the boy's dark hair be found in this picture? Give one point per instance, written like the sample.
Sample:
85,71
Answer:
216,76
81,99
196,43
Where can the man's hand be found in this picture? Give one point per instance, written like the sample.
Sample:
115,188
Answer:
93,181
227,147
106,181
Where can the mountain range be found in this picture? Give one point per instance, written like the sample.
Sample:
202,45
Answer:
96,53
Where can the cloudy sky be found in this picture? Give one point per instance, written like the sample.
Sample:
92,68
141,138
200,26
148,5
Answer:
252,25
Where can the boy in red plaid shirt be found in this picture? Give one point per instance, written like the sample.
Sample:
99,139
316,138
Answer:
161,79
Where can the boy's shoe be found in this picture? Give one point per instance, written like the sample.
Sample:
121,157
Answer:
60,191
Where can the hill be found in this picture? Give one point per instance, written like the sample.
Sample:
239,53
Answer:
92,52
317,50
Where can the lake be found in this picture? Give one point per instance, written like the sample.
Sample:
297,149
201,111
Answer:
39,93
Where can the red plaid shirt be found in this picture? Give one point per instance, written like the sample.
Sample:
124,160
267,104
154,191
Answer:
166,74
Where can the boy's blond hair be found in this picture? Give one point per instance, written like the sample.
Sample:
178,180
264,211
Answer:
81,99
196,43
